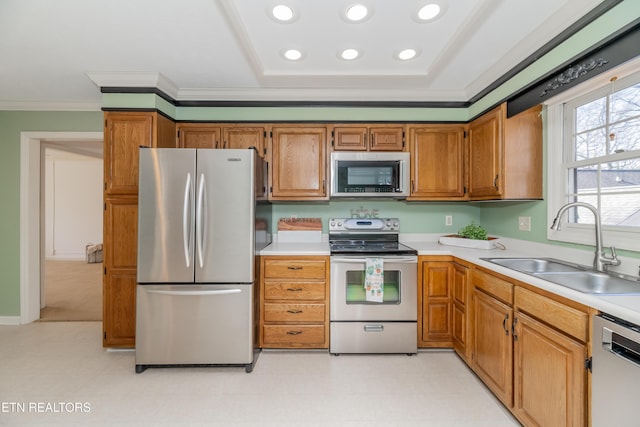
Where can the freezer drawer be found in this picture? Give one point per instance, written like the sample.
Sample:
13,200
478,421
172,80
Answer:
194,325
373,337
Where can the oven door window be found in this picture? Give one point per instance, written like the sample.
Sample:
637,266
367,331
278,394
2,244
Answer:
356,292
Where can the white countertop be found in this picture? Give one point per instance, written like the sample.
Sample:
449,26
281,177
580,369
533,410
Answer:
624,306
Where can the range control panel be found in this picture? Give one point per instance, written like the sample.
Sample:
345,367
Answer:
369,225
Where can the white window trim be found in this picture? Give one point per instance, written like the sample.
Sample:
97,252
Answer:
578,233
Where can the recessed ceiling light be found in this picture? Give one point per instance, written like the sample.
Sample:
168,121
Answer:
357,12
429,12
292,54
349,54
282,13
407,54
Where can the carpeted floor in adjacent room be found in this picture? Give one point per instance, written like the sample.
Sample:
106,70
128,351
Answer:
73,291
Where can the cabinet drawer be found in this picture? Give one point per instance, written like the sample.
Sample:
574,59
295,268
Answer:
501,289
274,312
294,269
294,291
294,336
564,318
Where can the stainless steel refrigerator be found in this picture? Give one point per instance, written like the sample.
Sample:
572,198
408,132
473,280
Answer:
200,222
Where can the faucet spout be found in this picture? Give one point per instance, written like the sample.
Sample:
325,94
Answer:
600,261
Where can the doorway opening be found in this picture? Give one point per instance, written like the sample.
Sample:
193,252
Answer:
72,209
32,226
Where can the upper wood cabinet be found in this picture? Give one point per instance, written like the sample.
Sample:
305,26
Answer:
299,166
198,135
438,170
213,135
368,138
124,133
505,155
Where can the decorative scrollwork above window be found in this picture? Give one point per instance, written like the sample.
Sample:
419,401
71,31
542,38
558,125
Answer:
573,73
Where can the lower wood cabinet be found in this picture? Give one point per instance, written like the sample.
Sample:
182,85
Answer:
434,302
294,302
459,308
530,349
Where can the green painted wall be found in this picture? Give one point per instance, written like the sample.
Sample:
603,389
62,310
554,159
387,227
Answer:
415,217
11,124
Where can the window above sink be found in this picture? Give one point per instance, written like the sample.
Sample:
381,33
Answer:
594,157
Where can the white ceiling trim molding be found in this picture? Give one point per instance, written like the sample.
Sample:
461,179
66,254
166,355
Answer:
134,79
313,95
242,37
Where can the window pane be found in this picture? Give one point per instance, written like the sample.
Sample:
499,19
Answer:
591,115
625,136
620,209
617,176
625,103
591,144
583,179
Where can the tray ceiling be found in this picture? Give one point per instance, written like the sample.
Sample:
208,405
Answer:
60,52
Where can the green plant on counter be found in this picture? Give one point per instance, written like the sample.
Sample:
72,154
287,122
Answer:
473,231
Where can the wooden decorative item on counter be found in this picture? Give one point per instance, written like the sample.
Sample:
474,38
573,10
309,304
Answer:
300,230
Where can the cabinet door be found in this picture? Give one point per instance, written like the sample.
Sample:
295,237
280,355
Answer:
486,155
121,233
299,163
493,347
386,138
119,282
550,376
119,308
437,162
193,135
123,135
436,303
350,138
459,310
244,137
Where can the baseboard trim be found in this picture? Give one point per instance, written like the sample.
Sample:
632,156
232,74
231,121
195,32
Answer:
10,320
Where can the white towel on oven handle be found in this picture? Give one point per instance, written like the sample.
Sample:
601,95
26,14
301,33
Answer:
374,280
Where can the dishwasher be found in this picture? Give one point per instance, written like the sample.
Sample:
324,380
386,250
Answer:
616,372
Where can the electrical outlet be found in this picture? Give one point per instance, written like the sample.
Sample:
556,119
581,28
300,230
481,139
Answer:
448,220
524,223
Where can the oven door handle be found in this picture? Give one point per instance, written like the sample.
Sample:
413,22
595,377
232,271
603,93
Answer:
395,259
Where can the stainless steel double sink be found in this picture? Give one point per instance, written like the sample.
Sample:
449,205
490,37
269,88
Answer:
574,276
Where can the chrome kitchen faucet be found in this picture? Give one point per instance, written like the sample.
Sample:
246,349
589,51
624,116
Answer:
601,261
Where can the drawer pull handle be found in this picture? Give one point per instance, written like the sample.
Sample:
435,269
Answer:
294,268
294,332
294,289
294,311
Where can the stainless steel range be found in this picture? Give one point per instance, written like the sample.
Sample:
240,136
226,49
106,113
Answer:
373,287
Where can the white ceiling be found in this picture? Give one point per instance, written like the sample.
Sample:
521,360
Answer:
57,53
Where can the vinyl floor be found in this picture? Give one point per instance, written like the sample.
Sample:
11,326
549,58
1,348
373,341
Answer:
58,374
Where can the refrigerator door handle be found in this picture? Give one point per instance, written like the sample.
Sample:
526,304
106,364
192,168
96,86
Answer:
186,229
200,232
196,293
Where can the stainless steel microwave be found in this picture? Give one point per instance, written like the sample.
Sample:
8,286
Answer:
370,174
